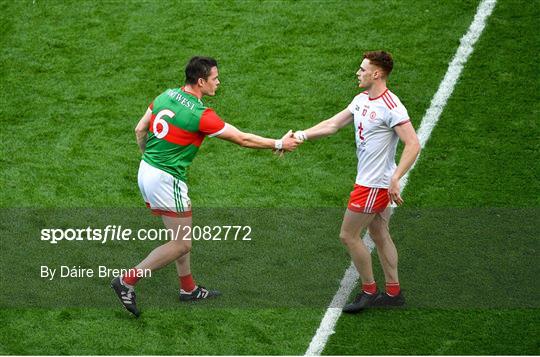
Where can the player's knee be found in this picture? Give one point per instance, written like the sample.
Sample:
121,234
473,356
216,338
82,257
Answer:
346,238
378,232
182,247
186,248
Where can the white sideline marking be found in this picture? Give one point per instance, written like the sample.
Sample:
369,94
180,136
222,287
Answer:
438,102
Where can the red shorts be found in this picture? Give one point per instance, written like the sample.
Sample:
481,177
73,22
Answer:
368,200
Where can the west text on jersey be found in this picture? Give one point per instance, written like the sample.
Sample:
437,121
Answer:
180,99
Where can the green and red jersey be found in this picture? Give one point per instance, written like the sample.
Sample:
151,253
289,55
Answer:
178,126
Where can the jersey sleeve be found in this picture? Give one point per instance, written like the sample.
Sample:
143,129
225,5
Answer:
211,124
355,103
350,107
398,116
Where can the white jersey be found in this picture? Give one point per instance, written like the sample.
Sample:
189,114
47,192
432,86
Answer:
376,140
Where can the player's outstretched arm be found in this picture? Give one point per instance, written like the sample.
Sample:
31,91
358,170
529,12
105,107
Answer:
141,130
252,141
326,127
411,150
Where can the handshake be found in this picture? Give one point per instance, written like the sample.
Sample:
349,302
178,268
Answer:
289,142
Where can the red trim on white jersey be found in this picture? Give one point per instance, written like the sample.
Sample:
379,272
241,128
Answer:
385,100
389,101
392,101
383,93
402,122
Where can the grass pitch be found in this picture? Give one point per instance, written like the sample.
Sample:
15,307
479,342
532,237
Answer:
76,77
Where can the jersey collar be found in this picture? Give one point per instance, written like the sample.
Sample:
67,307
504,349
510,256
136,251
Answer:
383,93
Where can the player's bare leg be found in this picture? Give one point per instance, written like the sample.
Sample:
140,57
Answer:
388,257
183,265
386,250
353,224
171,250
124,286
189,291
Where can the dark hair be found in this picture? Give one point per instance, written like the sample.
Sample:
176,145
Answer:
381,59
199,67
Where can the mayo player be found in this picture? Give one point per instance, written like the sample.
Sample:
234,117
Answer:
380,119
169,135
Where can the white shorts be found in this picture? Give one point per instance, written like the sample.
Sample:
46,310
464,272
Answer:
163,193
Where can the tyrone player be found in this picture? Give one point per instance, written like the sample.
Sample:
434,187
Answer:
169,135
379,120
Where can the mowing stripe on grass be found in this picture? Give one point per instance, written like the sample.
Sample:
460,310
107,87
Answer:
446,87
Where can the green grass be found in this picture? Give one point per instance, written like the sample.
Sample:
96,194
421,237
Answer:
79,76
483,150
76,77
178,331
481,155
438,332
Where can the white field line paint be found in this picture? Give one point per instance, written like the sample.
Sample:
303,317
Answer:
438,102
